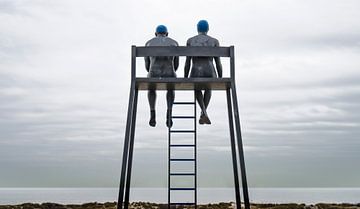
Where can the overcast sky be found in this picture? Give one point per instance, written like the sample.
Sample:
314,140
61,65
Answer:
64,84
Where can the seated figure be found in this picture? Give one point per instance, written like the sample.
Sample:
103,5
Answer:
203,67
159,67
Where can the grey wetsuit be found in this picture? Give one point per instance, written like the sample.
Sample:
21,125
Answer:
161,66
202,66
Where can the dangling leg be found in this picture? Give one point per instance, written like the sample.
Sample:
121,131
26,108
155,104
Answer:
152,100
207,97
204,118
202,115
170,97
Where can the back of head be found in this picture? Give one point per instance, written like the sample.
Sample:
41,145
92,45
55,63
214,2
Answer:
203,26
161,30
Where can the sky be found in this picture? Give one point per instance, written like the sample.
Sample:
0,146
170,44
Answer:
65,79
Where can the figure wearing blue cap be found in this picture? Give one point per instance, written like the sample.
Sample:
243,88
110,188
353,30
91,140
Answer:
203,67
158,67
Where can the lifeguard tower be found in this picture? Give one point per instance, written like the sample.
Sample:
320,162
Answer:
190,84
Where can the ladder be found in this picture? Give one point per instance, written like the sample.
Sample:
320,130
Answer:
174,147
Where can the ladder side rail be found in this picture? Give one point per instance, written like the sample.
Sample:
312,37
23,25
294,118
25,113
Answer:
169,165
131,151
233,150
195,152
238,130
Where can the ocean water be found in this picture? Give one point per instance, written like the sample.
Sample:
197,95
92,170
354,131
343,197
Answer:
159,195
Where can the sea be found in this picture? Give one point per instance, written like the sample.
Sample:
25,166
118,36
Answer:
159,195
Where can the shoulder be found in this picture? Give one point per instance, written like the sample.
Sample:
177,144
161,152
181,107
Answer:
191,40
194,37
173,42
214,41
150,41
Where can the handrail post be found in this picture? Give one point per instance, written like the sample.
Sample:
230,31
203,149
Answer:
133,63
232,63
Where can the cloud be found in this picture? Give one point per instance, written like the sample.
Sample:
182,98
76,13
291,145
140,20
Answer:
64,85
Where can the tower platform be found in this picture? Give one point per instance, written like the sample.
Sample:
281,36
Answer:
182,83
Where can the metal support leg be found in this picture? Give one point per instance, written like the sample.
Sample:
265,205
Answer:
131,151
233,150
240,146
126,147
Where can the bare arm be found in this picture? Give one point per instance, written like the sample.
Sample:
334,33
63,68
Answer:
147,60
218,62
187,67
218,66
147,63
176,62
187,64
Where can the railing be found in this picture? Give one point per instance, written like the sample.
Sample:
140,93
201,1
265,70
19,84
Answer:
193,51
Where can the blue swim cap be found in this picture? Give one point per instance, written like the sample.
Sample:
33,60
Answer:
161,29
203,26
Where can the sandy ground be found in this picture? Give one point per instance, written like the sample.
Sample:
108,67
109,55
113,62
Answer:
144,205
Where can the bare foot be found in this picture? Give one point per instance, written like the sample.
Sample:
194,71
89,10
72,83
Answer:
169,123
206,120
201,120
152,121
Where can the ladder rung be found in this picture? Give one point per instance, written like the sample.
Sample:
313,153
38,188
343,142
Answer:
182,159
182,131
182,174
184,103
182,203
182,145
183,117
182,188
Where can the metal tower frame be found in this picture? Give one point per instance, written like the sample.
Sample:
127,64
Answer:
224,84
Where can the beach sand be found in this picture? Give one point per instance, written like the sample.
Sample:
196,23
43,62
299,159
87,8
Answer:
144,205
